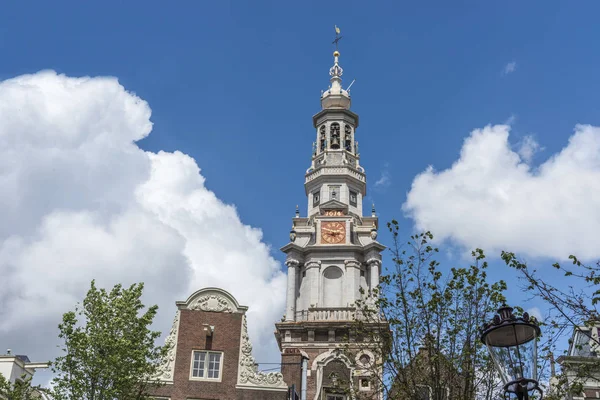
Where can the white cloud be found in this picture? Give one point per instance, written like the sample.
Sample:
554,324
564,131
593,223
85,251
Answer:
385,180
491,198
527,148
80,201
535,312
509,68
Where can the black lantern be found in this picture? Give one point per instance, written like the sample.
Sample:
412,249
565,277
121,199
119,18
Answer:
512,343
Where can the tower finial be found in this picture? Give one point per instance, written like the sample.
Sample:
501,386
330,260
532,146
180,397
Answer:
373,213
336,40
336,70
336,96
297,212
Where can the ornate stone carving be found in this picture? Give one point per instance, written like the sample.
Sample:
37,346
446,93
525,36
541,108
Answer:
213,303
292,262
248,374
165,371
313,264
374,234
352,263
374,260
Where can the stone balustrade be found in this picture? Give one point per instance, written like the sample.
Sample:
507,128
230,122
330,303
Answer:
327,314
337,170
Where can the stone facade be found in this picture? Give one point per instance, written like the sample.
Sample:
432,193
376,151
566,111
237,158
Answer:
16,367
211,321
332,258
581,364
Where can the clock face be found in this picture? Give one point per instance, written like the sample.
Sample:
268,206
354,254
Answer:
333,232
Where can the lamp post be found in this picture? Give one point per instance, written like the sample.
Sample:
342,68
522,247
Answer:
512,344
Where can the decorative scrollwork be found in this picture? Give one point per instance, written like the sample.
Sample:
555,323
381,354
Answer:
248,374
373,260
292,262
213,303
166,369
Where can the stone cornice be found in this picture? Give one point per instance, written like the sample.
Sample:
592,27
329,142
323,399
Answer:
353,117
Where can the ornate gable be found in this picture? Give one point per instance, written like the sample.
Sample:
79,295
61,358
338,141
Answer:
212,300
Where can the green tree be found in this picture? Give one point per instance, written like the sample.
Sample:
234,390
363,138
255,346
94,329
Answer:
22,389
429,345
109,350
572,306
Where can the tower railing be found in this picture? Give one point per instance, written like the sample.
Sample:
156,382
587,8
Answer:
327,314
335,170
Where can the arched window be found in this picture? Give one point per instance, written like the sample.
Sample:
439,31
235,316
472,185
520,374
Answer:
334,133
322,139
332,287
347,138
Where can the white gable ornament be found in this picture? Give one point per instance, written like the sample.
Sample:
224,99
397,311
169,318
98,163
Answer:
212,300
166,369
248,374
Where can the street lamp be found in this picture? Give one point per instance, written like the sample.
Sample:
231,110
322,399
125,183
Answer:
512,343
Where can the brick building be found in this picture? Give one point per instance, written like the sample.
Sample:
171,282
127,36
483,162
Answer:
211,354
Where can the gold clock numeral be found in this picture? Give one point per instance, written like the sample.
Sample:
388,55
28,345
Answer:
333,232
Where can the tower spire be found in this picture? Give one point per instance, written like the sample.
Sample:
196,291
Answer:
336,97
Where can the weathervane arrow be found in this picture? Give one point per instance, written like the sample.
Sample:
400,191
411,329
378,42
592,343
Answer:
337,36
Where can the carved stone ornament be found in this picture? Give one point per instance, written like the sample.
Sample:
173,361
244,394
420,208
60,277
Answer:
166,369
374,234
292,262
374,260
313,264
248,375
214,303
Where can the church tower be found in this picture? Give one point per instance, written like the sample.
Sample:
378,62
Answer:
333,252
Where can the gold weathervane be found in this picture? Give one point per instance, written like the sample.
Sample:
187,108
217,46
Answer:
337,37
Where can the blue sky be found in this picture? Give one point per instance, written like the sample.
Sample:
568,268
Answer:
235,84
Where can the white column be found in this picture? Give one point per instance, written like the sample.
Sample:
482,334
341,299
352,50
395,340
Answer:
290,310
352,272
312,272
374,265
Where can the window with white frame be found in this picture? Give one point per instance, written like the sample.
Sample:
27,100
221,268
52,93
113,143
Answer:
364,384
207,365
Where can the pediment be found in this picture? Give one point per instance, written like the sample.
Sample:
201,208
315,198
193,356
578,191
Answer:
213,300
333,207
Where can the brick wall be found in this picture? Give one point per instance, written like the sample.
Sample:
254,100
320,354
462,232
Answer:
225,338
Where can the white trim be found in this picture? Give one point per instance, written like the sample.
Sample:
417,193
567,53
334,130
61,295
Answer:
206,363
362,388
325,358
249,377
166,371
